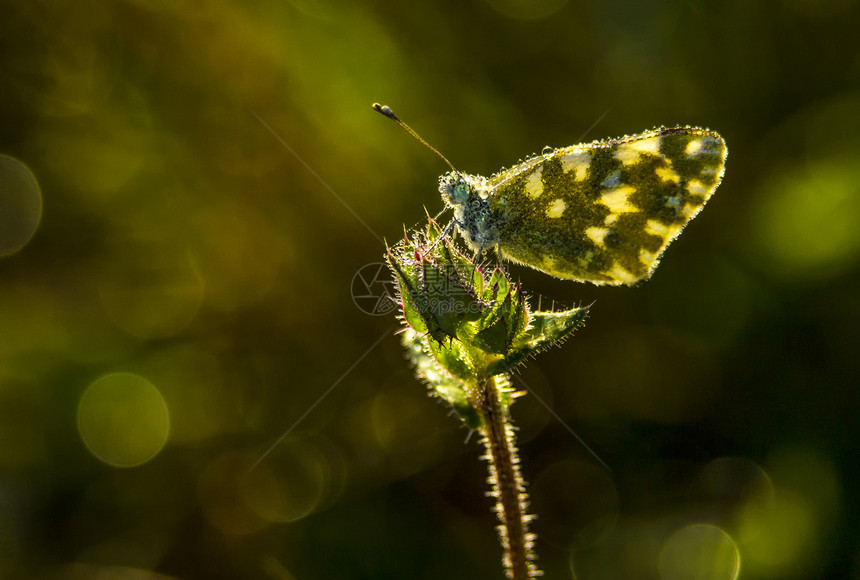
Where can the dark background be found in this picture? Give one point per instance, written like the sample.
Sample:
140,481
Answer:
213,177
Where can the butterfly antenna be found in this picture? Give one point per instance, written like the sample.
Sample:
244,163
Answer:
385,110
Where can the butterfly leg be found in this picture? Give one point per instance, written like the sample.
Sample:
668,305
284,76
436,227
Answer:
441,236
477,259
501,263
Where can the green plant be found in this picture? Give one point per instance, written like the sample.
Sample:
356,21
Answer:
466,329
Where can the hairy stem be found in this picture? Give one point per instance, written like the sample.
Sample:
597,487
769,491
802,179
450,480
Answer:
507,484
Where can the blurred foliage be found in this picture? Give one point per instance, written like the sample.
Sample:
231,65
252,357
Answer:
187,191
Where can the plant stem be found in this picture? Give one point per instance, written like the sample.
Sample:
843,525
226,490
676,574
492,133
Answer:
507,484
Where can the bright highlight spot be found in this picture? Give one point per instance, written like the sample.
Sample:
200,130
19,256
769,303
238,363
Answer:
534,185
20,205
556,209
699,552
808,222
123,419
787,536
694,147
577,161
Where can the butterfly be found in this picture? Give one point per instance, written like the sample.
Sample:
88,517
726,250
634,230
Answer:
602,212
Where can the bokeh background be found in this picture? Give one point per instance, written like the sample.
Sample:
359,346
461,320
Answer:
193,198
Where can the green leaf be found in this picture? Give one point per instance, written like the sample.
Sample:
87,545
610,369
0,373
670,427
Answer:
546,330
443,385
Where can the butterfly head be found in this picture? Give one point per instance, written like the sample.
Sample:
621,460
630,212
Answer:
469,195
459,189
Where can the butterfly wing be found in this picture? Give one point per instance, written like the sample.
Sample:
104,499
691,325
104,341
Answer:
604,212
